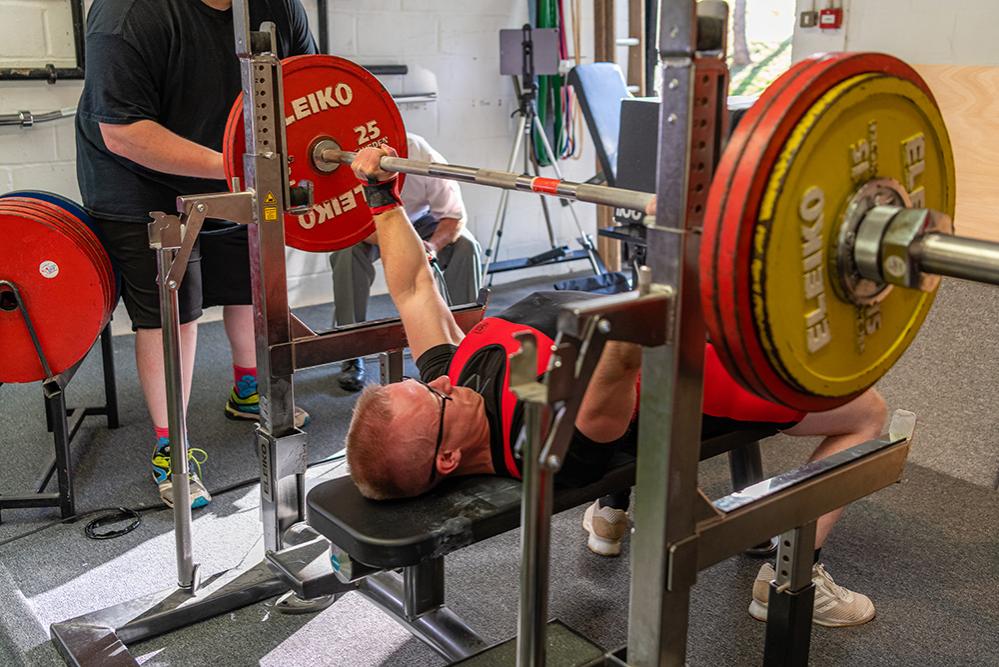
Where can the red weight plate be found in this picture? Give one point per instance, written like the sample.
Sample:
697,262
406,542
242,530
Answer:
55,218
62,290
74,209
234,128
711,260
68,224
734,224
712,230
733,246
94,253
72,222
715,261
74,228
325,98
758,159
747,184
106,284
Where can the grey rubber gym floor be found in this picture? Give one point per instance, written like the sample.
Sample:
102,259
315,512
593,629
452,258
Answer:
925,550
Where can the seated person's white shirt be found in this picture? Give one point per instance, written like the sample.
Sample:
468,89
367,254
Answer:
422,195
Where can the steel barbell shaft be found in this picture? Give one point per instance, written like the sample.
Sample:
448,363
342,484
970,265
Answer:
506,180
958,257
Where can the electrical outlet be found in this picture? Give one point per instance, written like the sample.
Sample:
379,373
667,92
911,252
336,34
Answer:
809,19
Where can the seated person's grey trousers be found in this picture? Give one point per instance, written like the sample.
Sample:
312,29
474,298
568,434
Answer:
354,272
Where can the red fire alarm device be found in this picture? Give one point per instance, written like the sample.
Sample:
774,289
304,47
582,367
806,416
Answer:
831,19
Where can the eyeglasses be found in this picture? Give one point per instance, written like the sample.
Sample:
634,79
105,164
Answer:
440,430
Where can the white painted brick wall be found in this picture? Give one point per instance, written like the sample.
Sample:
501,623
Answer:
451,48
42,157
926,33
36,32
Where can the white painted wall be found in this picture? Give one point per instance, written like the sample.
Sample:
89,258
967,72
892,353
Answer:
917,31
451,48
808,41
35,33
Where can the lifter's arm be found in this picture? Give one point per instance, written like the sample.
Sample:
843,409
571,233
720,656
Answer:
425,317
155,147
610,399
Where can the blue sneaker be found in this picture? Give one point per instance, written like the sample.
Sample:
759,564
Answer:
161,474
244,403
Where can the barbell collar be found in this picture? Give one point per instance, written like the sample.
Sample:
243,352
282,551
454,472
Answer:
920,245
326,154
867,243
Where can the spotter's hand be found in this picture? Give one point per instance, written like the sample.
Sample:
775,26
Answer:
650,208
367,164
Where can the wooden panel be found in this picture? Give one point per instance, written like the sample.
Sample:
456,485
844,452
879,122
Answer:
967,96
603,51
604,31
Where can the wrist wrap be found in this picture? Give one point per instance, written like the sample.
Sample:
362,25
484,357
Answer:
383,196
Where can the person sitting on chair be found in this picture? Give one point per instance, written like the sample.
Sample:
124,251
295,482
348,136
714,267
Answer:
438,213
460,417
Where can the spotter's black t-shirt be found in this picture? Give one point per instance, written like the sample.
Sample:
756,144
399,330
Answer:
172,62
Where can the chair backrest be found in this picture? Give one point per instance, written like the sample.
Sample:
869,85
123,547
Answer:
600,87
637,150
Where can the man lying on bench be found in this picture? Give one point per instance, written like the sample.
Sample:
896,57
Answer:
460,417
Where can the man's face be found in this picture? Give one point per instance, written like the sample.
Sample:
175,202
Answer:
417,411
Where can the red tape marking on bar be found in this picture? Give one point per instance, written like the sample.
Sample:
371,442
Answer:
546,185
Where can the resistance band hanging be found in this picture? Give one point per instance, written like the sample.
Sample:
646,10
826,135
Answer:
549,103
570,112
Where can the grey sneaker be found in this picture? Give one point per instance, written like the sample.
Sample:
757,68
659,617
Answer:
607,527
835,606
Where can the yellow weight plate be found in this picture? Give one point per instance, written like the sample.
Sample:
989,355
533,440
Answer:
868,127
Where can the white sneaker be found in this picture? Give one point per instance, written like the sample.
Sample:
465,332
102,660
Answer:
607,527
835,606
199,494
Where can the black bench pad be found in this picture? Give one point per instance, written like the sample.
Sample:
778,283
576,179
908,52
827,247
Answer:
459,512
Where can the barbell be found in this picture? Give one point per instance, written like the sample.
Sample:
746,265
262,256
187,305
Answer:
327,152
334,108
827,224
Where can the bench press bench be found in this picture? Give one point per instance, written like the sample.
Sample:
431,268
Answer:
466,510
350,543
367,540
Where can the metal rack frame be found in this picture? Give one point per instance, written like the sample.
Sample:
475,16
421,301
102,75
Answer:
678,531
283,344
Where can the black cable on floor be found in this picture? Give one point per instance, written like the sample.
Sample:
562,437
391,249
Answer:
76,517
110,515
121,514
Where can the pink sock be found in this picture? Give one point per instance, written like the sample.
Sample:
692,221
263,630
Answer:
161,432
239,372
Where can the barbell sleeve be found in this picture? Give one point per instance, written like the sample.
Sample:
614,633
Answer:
506,180
958,257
